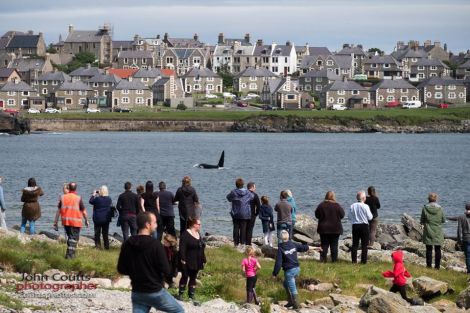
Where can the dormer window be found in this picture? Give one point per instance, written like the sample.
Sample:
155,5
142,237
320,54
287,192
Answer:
329,62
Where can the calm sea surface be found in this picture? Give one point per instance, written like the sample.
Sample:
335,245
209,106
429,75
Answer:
404,168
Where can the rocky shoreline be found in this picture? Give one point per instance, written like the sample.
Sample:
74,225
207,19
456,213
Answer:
111,296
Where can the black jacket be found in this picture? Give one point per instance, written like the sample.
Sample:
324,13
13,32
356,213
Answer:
374,204
287,256
192,251
127,204
255,205
143,259
187,198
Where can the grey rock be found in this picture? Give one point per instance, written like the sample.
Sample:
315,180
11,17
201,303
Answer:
303,239
386,304
414,229
269,252
414,246
306,226
374,292
342,299
427,287
463,299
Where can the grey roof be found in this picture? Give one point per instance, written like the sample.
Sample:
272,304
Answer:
345,85
148,73
200,72
409,53
184,42
77,85
84,36
18,86
26,64
264,50
382,59
4,42
343,61
183,53
86,71
161,81
103,78
60,76
445,81
465,65
282,50
393,84
274,84
242,41
308,60
349,50
24,41
125,44
6,72
130,85
135,54
430,62
322,73
255,72
319,51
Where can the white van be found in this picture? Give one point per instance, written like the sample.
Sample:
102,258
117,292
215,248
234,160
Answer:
411,104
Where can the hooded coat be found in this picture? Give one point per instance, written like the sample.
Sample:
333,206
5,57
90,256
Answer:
187,199
399,273
241,208
31,208
432,217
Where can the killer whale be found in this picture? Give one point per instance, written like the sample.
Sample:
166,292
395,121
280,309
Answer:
210,166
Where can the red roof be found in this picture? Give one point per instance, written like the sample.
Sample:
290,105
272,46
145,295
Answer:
168,72
123,73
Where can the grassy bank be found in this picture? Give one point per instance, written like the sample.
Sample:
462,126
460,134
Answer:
221,277
409,117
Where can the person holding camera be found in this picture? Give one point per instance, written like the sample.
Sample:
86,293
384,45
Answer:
103,212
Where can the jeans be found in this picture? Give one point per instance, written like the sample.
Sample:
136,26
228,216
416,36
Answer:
142,302
373,230
329,241
128,223
281,227
437,257
289,279
32,226
239,231
466,250
73,235
2,219
360,232
102,229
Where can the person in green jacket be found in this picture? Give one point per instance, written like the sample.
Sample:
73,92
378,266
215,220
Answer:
432,218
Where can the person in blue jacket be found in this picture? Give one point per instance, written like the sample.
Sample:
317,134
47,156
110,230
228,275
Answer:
291,201
240,198
103,212
287,259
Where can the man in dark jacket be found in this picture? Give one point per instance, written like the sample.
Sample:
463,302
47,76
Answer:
143,259
128,207
255,204
188,203
241,211
166,200
287,259
463,234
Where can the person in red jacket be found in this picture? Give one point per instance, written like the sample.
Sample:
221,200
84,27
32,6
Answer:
399,275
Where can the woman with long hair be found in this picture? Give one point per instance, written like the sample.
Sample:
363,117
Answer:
374,204
31,209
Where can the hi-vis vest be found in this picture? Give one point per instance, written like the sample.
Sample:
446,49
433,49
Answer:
70,210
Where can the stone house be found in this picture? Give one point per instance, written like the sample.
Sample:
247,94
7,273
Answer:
382,67
148,76
72,95
182,42
389,90
48,83
251,80
316,81
463,71
183,59
9,75
31,68
167,88
15,95
103,85
136,59
262,55
426,68
307,51
438,90
435,51
341,65
119,46
407,58
233,54
345,92
27,45
358,55
98,42
131,94
202,80
281,93
85,73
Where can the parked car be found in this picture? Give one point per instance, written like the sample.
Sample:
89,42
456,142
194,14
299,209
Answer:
122,110
411,104
338,107
10,111
241,104
267,107
392,104
33,111
51,110
92,110
228,95
252,95
211,96
443,105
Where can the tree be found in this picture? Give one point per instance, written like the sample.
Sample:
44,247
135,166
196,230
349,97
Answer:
227,77
374,50
51,49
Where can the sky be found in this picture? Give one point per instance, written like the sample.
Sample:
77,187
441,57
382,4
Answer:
330,23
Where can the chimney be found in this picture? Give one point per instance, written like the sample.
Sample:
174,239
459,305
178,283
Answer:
221,38
136,39
345,45
88,65
359,46
273,46
196,37
30,32
70,28
158,36
437,44
40,34
288,83
400,45
445,47
165,37
259,42
247,38
288,43
427,43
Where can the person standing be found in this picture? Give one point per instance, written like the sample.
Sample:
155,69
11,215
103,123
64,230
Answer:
329,214
143,259
3,206
71,211
166,199
192,257
432,218
250,266
149,203
463,234
241,211
254,205
374,204
360,215
291,200
31,209
188,202
102,215
128,207
267,220
284,214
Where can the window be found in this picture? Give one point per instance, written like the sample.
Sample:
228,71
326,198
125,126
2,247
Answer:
95,84
145,79
11,93
55,83
11,102
404,90
438,95
433,68
420,75
139,91
414,60
452,95
44,91
331,100
68,100
319,62
341,92
428,94
144,61
318,79
307,88
390,98
125,100
355,92
125,60
253,78
253,86
274,60
404,98
285,60
318,87
82,101
44,83
139,100
210,87
210,79
381,98
243,85
386,65
452,87
274,69
420,68
390,90
290,97
105,84
169,60
308,79
461,95
197,87
438,87
329,62
25,93
125,91
374,65
69,92
433,75
341,100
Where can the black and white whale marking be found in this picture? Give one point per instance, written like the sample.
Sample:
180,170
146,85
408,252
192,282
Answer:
210,166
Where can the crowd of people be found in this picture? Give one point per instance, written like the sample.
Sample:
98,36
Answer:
151,255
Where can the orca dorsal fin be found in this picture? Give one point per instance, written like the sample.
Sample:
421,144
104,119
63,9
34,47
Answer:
221,160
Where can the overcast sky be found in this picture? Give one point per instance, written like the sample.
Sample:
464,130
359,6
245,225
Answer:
373,23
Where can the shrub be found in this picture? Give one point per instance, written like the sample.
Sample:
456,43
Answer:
181,106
